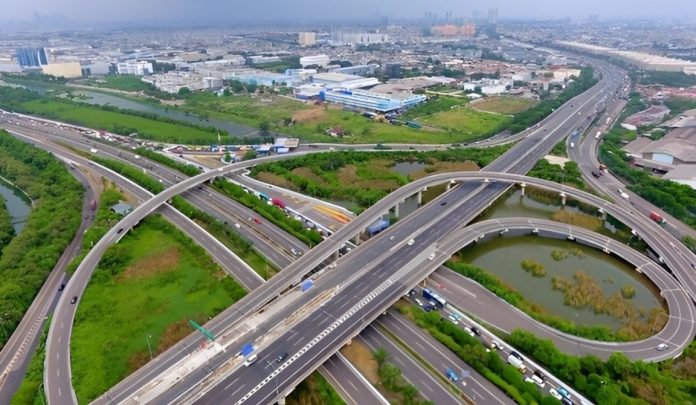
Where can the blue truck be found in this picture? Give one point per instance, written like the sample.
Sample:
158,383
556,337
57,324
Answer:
377,227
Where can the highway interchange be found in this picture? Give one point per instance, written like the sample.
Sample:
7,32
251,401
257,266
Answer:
456,200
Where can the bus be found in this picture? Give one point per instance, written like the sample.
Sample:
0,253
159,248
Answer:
432,296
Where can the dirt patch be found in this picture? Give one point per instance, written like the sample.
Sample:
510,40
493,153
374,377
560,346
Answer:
160,262
209,161
308,174
173,334
348,174
361,357
442,167
173,102
310,115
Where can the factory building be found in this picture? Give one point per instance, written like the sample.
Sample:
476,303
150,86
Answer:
68,70
357,70
32,57
370,100
315,60
359,38
134,67
339,80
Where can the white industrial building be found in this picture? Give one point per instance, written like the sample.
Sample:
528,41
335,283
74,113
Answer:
318,60
134,67
333,80
359,38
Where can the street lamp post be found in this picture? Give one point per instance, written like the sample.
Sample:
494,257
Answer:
149,348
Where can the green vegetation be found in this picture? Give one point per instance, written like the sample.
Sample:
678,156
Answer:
585,292
366,177
533,267
540,111
495,285
487,363
314,390
628,292
617,380
230,238
671,79
559,254
29,392
112,119
149,284
124,83
7,231
560,149
503,105
677,199
678,105
291,62
568,174
689,242
29,257
390,378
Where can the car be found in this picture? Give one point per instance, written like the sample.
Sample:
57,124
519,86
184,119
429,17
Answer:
62,287
469,331
411,242
539,375
564,392
476,331
555,394
661,347
74,299
250,360
515,354
566,401
237,226
419,302
453,319
258,221
431,256
428,308
595,174
443,203
496,345
119,230
281,356
538,381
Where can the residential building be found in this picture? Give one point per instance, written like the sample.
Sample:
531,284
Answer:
451,30
306,38
32,57
134,67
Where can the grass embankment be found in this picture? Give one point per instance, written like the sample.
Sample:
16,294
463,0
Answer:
29,392
635,323
366,177
149,284
7,231
471,350
27,260
503,105
617,380
314,390
226,235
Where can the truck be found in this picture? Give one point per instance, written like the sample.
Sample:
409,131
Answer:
377,227
599,133
657,218
572,145
516,361
93,205
278,203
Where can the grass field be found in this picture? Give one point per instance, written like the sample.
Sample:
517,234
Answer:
118,122
503,105
150,283
442,123
123,83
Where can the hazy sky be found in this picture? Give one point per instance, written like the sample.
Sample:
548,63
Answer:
313,10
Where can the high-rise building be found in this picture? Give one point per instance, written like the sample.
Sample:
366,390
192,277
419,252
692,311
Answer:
306,38
32,57
392,70
493,16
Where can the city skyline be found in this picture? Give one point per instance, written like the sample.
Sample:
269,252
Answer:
215,12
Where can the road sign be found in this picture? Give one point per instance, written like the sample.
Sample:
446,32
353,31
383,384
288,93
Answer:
203,330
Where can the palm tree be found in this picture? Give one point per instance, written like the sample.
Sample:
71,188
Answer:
380,355
410,393
390,375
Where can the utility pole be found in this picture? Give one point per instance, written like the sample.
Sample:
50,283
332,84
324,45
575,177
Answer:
147,338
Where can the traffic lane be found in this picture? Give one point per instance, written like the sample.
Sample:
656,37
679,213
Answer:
412,371
475,386
354,389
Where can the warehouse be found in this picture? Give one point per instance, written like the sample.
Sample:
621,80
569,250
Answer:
370,100
339,80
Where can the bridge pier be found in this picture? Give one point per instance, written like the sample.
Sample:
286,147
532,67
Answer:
523,186
420,196
563,198
603,214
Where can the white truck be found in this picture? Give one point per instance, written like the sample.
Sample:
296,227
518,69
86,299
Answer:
515,360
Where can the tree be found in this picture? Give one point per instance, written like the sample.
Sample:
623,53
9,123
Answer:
390,375
380,355
264,127
410,393
227,157
250,154
184,91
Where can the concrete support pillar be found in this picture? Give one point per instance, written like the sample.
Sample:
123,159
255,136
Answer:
420,197
356,239
603,214
563,198
397,209
523,186
335,255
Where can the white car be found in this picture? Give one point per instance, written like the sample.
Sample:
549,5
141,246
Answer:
432,256
419,302
537,380
469,331
453,319
237,226
661,347
411,242
250,360
555,394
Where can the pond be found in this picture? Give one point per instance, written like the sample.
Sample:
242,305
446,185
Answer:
17,203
